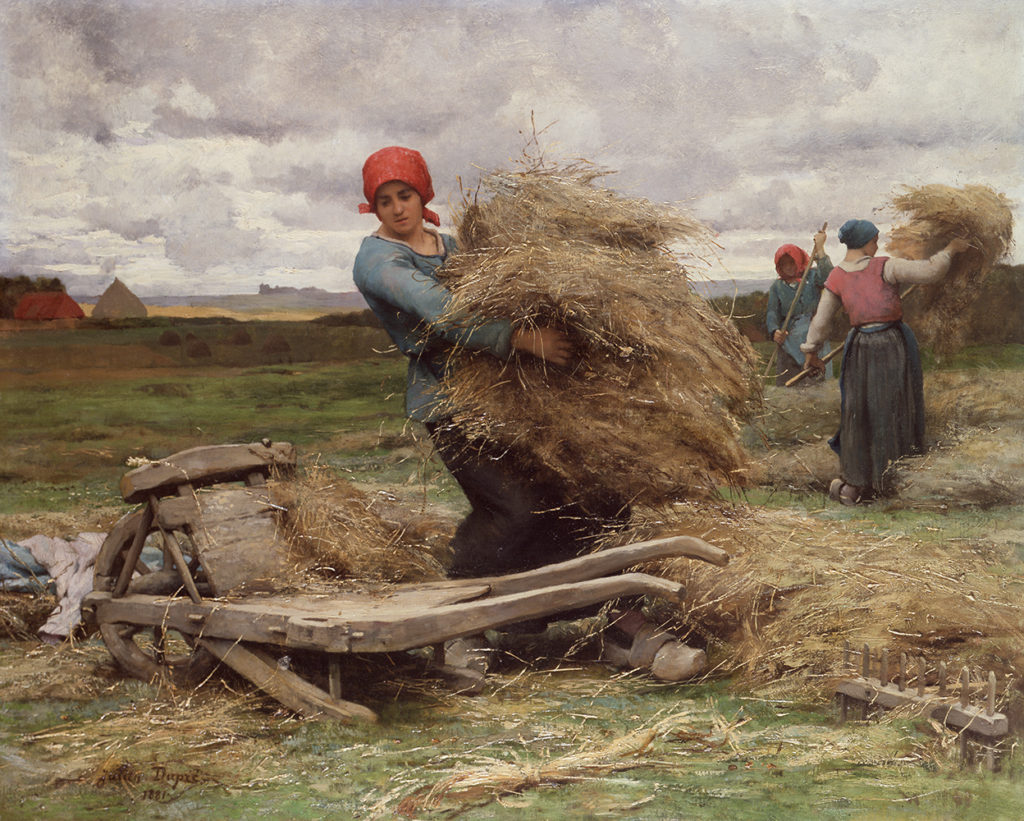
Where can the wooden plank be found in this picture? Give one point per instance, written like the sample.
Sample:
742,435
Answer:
334,675
354,624
131,556
973,719
204,466
264,618
403,631
237,539
207,618
595,565
173,549
291,690
178,512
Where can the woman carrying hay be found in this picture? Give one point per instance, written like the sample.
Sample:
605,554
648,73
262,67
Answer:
515,522
791,264
881,385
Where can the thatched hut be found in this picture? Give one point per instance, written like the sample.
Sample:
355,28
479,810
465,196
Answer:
43,306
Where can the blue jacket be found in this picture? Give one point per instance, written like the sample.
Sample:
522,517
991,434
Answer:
780,297
403,292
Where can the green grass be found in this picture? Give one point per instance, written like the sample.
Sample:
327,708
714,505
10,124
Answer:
998,357
78,435
37,351
776,761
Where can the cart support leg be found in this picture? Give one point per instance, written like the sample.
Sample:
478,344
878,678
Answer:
334,675
290,689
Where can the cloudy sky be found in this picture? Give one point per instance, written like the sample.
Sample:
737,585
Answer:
206,147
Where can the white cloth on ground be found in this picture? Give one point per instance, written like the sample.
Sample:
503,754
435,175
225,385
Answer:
70,565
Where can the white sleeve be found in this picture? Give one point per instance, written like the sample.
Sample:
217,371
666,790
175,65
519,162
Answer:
818,332
910,271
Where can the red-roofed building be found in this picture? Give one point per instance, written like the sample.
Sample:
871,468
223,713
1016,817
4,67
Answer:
45,305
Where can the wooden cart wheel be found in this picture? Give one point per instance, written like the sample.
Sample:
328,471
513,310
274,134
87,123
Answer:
148,652
166,580
158,654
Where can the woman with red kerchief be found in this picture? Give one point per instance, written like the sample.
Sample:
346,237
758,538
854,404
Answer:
515,522
881,385
790,264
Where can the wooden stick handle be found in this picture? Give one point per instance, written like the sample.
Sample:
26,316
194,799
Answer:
792,305
832,354
825,360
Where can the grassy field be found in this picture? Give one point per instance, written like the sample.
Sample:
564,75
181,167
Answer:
79,403
78,740
215,312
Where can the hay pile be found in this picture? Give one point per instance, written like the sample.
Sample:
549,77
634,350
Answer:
935,215
336,531
22,614
975,433
649,412
796,588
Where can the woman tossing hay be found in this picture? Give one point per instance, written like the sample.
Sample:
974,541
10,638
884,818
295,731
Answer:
881,385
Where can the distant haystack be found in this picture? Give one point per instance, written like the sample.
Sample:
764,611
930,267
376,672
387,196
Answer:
118,302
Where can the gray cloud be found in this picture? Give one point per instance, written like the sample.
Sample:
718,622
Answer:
114,219
225,135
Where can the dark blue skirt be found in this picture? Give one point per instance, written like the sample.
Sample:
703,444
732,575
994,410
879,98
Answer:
882,400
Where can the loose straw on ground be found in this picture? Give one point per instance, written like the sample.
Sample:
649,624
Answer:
501,778
341,532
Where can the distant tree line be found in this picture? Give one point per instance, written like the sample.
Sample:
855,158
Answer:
267,290
13,288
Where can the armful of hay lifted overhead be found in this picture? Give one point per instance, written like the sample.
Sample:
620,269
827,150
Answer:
650,409
936,214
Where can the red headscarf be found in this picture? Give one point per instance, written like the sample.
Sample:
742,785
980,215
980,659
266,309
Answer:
397,163
794,252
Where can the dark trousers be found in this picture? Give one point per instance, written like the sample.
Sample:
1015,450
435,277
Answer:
516,522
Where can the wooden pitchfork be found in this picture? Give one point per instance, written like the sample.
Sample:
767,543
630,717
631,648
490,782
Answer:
792,305
837,350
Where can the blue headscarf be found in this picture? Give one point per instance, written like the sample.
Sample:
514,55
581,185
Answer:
857,233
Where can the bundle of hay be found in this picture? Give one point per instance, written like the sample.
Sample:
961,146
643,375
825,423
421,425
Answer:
339,532
22,614
795,589
935,215
498,778
649,412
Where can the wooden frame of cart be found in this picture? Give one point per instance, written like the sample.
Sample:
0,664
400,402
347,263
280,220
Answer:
207,592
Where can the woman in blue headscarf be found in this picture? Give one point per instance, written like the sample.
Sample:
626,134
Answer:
881,386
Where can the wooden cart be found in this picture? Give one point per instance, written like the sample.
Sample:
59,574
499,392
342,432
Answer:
207,595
